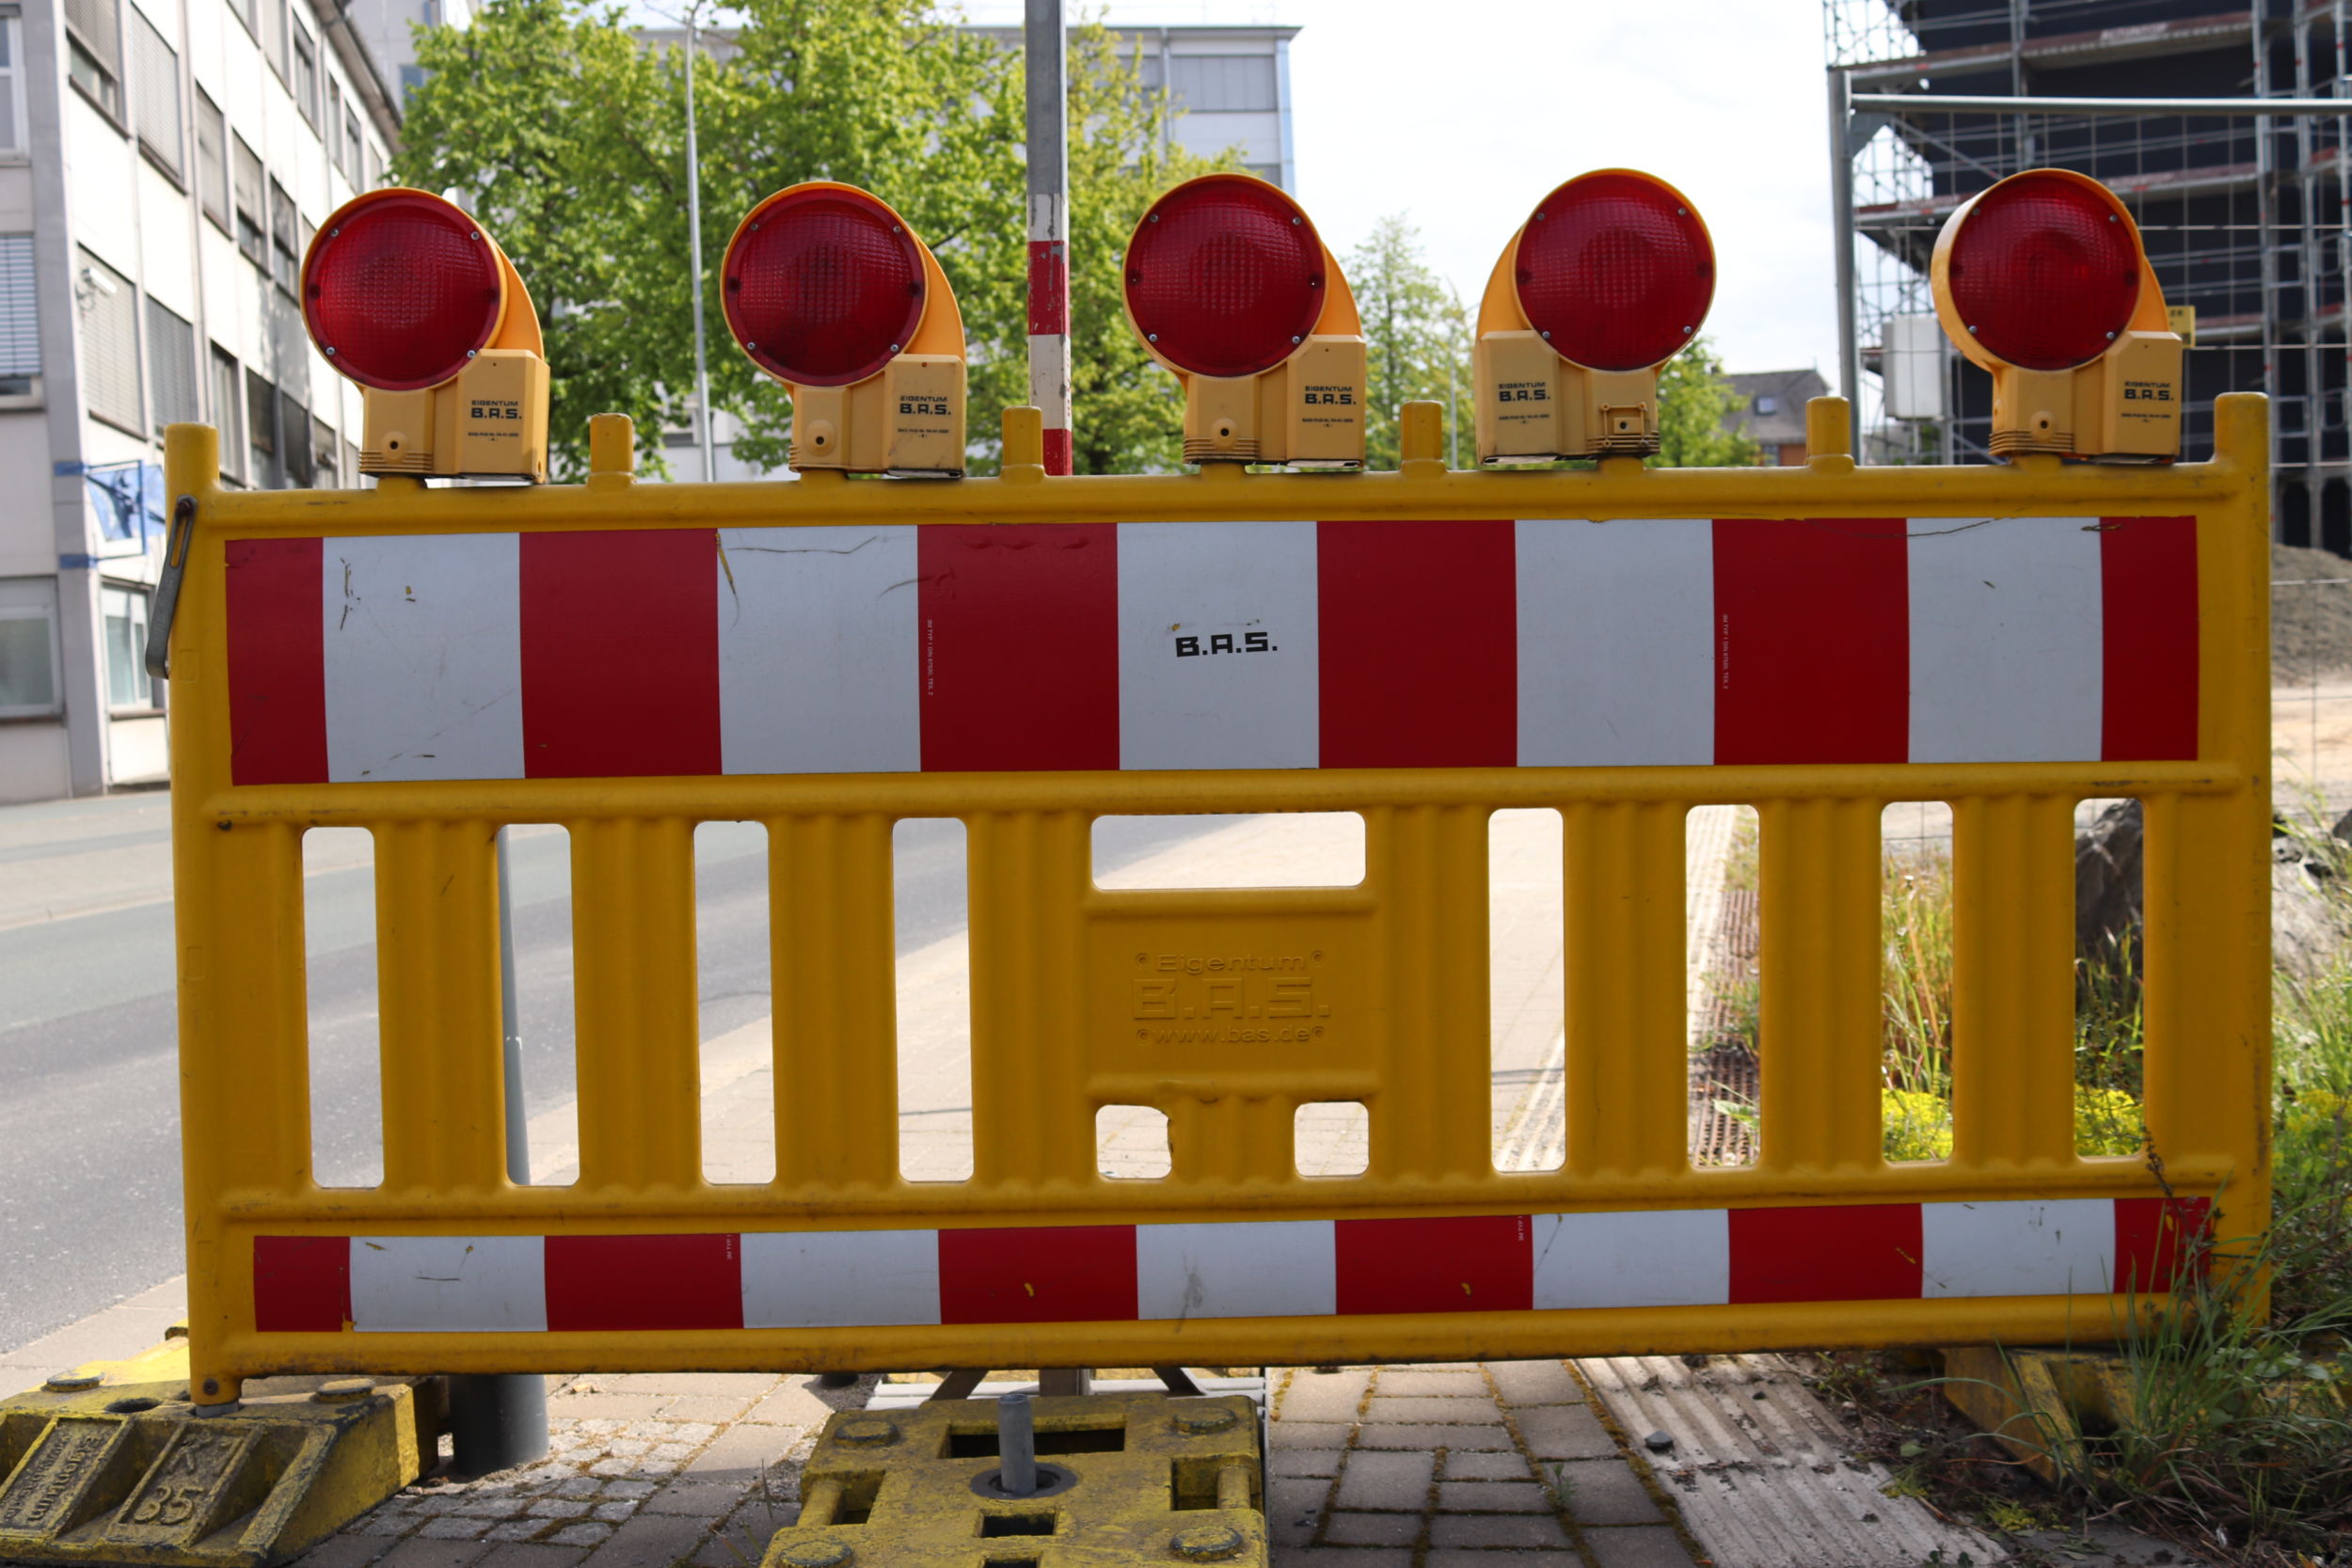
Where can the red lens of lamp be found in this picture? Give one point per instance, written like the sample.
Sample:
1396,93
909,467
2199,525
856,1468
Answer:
1225,275
2044,272
822,286
401,289
1616,271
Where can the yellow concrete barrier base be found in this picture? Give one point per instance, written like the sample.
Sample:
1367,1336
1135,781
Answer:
1127,1478
95,1468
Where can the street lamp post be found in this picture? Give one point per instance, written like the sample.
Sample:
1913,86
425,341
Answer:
694,227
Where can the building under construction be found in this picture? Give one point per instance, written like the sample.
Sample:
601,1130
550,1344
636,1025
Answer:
2246,219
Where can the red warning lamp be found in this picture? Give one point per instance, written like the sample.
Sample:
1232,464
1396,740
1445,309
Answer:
829,290
1609,279
2042,280
407,295
1229,285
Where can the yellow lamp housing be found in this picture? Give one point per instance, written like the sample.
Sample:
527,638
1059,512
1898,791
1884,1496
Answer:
1230,287
2042,280
829,290
407,295
1609,279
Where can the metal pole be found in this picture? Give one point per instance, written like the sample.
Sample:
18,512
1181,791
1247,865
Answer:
1045,60
694,223
1016,1446
1841,211
498,1420
2222,108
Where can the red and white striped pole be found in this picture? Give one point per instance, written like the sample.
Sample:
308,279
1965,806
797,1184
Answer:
1045,53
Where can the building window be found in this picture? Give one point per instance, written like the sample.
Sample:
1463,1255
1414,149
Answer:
306,72
11,86
29,648
411,78
1766,403
171,367
325,458
229,412
332,131
260,431
1223,84
110,342
252,218
20,319
285,244
94,56
243,11
156,78
212,160
127,684
278,21
293,428
353,148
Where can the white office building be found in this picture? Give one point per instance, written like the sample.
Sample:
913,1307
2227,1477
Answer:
163,164
1232,86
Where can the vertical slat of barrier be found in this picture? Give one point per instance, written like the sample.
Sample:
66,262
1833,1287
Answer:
258,1108
2207,892
437,976
2013,980
1820,1009
835,1010
244,1070
633,990
1427,867
1232,1140
1626,972
1029,872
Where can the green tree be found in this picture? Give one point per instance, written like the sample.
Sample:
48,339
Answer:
1694,397
1128,414
1417,339
569,138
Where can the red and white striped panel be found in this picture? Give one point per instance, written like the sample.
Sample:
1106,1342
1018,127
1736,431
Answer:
1245,1269
1534,643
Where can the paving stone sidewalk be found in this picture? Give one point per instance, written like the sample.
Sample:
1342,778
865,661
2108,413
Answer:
1422,1467
1454,1466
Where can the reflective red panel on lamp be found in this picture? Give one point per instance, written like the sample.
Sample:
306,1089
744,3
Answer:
1225,275
1615,270
2044,272
823,287
402,289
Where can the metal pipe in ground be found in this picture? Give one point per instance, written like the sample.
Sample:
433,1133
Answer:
498,1420
1016,1446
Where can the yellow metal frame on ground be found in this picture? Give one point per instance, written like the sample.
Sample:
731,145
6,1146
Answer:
1038,924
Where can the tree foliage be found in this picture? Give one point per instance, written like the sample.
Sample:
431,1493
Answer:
568,137
1417,339
1694,397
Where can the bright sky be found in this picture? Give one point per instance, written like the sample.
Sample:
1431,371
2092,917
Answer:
1463,114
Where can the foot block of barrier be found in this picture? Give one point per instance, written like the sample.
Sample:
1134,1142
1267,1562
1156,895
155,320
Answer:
1126,1479
2039,1403
97,1470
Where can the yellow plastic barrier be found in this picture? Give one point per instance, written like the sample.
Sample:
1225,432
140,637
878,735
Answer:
1423,648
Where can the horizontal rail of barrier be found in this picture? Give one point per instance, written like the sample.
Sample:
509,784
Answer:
1423,649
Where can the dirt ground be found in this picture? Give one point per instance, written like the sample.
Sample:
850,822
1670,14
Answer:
2311,665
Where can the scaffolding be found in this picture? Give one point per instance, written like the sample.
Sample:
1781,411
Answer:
2246,219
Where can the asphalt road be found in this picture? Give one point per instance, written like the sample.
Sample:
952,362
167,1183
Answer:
89,1118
